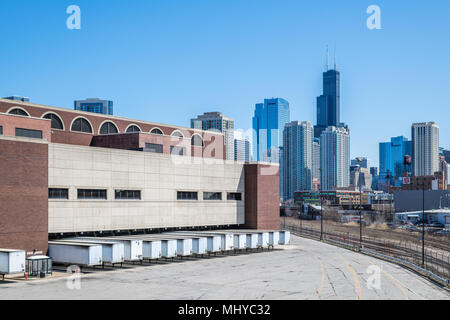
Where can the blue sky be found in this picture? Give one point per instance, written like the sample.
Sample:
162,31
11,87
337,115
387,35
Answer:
170,60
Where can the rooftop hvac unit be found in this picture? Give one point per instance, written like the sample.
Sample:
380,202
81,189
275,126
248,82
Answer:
12,261
184,247
83,254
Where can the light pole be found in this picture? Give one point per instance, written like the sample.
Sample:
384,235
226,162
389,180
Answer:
321,206
360,203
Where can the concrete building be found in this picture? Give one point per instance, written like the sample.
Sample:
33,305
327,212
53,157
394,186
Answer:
364,163
216,121
67,177
361,177
425,137
335,158
242,150
95,105
298,140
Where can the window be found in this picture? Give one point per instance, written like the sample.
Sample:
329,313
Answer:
56,121
157,131
19,112
133,128
197,140
91,194
236,196
28,133
108,128
81,125
178,151
177,134
212,196
187,195
153,147
1,130
57,193
128,195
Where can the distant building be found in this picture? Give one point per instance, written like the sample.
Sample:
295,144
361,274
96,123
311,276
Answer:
95,105
364,163
17,98
425,138
374,171
446,154
335,158
297,158
216,121
361,177
316,164
392,157
242,150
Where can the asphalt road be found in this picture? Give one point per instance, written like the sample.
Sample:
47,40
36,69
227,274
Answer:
306,269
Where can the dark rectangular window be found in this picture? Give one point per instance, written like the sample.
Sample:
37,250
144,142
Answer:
234,196
91,194
187,195
1,130
153,147
128,195
28,133
178,151
212,196
58,193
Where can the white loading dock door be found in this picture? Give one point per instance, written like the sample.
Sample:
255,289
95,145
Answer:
240,241
263,239
252,240
112,252
84,254
169,248
12,261
184,247
199,245
274,238
285,237
151,249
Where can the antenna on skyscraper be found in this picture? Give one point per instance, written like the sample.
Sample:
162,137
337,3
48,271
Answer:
327,59
335,64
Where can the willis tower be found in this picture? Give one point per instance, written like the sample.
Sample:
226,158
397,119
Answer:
328,104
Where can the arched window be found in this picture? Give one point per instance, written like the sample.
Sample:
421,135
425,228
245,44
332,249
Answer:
56,121
177,134
19,112
108,128
133,128
197,140
157,131
81,125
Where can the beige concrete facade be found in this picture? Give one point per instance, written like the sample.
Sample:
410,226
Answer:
157,176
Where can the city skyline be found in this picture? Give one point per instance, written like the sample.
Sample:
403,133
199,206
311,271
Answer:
387,80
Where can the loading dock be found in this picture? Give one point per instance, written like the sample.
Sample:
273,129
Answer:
77,253
132,246
11,262
112,252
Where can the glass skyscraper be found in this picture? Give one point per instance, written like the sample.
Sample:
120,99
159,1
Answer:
392,155
94,105
328,104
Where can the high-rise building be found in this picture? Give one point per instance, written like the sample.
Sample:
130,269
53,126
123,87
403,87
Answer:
94,105
328,104
335,158
316,163
364,163
361,177
392,157
374,171
216,121
298,140
242,150
425,138
268,125
445,153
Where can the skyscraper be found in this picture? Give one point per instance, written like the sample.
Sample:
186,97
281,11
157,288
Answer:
364,163
392,155
297,158
268,125
328,104
316,163
95,105
242,150
335,158
425,138
216,121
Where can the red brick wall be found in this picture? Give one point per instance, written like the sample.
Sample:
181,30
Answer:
211,139
262,197
11,122
23,195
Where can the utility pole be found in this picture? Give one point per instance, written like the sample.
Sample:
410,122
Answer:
321,206
360,203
